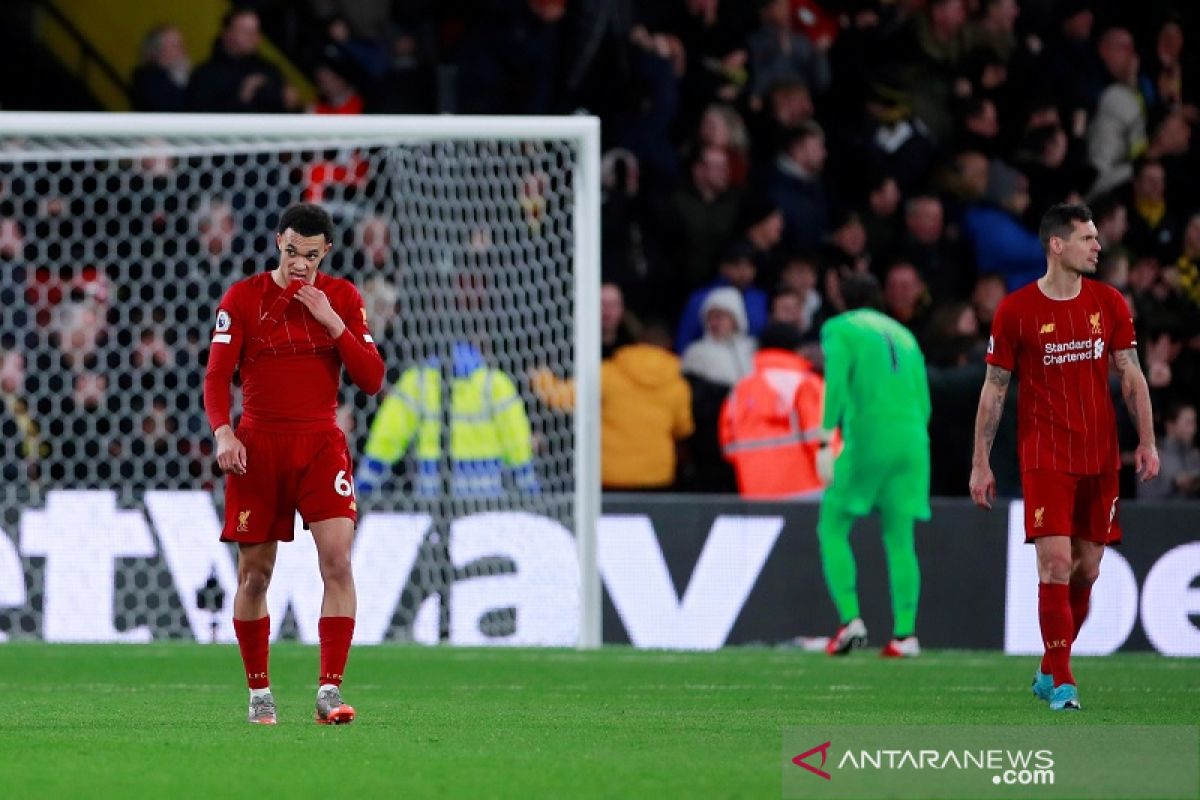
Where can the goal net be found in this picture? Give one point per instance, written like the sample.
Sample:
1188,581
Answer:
474,244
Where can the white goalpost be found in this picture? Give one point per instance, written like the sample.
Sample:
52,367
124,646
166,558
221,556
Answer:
118,232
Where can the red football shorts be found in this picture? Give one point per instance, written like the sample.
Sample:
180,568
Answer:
1062,504
285,473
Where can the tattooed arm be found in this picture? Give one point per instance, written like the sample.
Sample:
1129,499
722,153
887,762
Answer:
987,422
1137,400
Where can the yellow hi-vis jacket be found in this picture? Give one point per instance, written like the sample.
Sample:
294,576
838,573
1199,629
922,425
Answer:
489,431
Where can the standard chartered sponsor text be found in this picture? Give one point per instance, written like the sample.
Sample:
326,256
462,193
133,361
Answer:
1066,352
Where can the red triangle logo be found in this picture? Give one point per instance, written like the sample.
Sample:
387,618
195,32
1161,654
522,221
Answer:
823,749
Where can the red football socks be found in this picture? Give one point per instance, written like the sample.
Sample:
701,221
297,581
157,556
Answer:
335,633
1054,614
1081,599
254,640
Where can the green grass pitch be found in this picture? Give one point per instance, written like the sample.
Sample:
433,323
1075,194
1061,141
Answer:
168,720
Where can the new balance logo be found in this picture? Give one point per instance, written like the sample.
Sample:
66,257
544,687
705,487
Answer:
1047,328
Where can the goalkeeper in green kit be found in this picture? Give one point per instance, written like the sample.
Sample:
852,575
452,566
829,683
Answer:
877,393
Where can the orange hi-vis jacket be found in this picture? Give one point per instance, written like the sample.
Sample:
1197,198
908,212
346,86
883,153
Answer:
770,426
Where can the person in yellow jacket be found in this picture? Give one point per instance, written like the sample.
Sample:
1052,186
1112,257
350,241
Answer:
645,408
489,431
771,421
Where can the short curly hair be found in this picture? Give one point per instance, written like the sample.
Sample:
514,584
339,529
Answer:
307,219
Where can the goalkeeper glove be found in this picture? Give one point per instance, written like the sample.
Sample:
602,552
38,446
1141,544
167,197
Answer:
825,459
371,472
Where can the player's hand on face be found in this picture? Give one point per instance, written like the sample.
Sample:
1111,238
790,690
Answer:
983,486
231,453
1145,461
318,305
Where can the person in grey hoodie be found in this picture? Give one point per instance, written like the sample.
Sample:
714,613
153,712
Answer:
725,354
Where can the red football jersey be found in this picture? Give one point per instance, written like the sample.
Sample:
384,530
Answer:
290,366
1058,350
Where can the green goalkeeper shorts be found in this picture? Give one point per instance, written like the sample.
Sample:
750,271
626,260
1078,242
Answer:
871,477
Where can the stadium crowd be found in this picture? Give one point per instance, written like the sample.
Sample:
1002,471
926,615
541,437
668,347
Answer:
757,151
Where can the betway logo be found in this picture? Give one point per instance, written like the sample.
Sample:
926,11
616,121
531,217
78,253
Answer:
1168,603
82,534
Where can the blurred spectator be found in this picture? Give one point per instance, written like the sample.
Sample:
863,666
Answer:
1188,263
905,297
721,126
409,82
881,216
152,351
1179,477
1055,173
215,228
789,105
795,186
737,272
236,78
1070,65
20,441
846,243
1002,244
618,327
1113,268
952,337
507,57
161,78
1153,225
357,38
373,238
787,308
898,140
995,29
1171,72
1117,133
799,277
937,44
1112,221
981,127
379,299
628,256
763,224
645,408
712,365
777,53
704,214
943,261
770,422
724,355
337,80
985,298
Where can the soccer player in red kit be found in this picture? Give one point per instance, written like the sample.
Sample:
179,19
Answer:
1058,334
289,332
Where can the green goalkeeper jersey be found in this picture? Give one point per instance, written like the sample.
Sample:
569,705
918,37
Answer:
876,390
877,393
